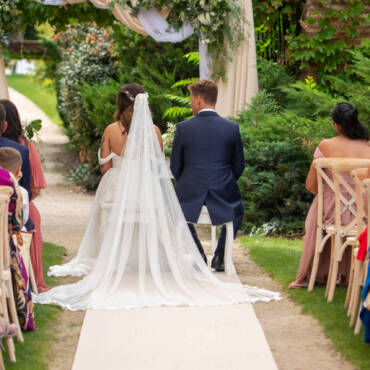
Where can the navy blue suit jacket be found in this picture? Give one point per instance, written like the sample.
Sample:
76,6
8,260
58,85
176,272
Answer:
207,159
25,181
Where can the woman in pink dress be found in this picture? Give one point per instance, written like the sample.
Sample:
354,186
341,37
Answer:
352,141
14,132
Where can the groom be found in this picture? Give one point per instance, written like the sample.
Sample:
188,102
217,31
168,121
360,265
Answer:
207,160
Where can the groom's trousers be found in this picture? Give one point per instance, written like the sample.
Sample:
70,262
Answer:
220,250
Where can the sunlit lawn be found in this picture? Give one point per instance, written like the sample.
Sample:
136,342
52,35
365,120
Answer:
43,96
34,353
280,258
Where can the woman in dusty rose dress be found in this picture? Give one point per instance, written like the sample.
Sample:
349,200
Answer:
14,132
352,141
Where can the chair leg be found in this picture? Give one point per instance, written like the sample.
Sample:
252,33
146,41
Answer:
9,341
327,288
32,280
13,309
10,349
213,237
228,259
355,291
355,304
358,325
351,280
313,275
2,366
333,282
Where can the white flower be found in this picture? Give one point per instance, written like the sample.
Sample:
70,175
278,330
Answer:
204,18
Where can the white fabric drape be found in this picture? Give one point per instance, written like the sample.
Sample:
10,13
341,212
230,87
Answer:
148,256
241,78
159,29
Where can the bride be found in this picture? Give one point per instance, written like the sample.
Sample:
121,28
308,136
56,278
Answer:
137,249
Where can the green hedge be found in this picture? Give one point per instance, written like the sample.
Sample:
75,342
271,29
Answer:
280,129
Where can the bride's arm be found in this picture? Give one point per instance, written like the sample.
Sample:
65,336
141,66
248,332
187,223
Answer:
104,152
159,135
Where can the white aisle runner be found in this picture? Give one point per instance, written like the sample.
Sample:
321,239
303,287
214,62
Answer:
174,338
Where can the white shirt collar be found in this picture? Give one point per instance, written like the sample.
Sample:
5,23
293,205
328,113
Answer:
207,110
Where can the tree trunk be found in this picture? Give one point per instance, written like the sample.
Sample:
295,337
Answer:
4,93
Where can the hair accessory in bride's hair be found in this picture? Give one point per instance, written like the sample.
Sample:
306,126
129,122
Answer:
128,95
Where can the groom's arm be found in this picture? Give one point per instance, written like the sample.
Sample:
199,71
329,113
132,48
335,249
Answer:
238,162
177,158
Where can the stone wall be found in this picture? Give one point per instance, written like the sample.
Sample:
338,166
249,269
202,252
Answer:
313,7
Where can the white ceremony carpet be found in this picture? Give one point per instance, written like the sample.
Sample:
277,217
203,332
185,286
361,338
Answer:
174,338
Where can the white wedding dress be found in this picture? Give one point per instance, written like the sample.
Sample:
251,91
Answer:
97,225
144,254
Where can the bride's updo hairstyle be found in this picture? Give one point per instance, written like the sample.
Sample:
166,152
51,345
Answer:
125,100
346,116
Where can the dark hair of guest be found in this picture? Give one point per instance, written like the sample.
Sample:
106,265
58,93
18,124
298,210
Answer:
125,99
14,130
2,117
346,116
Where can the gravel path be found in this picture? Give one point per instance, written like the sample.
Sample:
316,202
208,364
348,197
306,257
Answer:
297,341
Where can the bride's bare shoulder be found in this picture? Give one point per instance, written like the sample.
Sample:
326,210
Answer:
111,128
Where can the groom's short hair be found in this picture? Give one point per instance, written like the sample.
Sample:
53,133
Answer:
206,89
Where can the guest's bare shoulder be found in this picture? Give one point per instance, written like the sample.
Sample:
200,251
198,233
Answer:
327,144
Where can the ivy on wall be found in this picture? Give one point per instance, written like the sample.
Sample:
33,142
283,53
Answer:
313,35
331,29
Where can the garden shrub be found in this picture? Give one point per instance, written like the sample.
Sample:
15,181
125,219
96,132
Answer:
272,186
86,57
279,141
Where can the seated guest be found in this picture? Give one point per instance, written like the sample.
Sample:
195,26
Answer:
14,132
11,160
351,141
26,167
21,287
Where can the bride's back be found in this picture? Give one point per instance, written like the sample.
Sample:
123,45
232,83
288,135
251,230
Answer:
116,137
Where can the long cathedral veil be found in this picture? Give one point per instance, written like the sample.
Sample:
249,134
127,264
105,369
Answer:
148,256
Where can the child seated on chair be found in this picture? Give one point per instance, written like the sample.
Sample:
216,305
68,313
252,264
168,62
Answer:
11,160
10,164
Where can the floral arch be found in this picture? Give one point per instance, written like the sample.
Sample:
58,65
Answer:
225,31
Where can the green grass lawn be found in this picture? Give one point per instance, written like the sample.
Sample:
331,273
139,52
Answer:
280,258
43,96
34,353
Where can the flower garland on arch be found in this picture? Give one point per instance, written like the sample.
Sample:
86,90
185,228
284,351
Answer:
219,23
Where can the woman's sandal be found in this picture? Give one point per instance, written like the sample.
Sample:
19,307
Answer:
295,285
7,330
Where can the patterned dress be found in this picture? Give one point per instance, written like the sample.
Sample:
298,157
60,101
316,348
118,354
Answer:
21,285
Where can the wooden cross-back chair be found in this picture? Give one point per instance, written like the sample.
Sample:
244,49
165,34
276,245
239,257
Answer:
336,232
7,300
360,275
358,176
